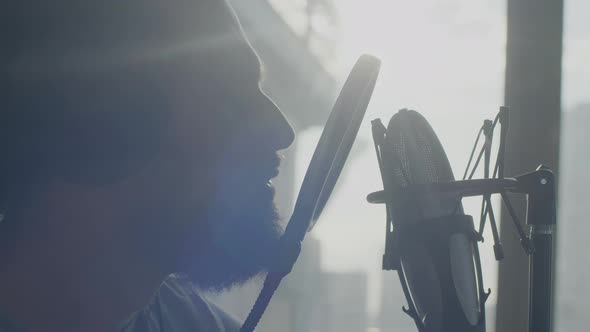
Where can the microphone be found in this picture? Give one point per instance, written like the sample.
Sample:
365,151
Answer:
433,245
429,240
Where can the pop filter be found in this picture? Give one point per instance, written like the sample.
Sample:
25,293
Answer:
430,242
320,178
334,145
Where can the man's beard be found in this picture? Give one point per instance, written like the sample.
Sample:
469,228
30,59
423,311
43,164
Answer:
242,235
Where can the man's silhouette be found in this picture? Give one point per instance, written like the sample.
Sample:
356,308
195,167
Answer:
136,144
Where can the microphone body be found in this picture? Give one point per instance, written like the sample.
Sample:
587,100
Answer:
429,241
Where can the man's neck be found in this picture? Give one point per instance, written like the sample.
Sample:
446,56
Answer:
52,282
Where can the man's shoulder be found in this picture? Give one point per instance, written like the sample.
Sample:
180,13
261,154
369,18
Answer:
178,307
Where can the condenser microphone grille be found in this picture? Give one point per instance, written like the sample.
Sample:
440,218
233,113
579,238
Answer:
418,157
415,156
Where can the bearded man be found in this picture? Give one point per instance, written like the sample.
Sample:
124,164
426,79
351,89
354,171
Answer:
137,153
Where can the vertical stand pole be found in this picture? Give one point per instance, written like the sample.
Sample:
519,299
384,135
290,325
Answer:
541,218
540,279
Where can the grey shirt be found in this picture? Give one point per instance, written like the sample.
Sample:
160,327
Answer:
178,307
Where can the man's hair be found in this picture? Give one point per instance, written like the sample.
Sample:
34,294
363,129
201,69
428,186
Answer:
68,64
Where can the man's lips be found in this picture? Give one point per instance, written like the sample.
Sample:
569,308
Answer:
271,167
271,171
254,170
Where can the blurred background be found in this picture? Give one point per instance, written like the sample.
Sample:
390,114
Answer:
456,62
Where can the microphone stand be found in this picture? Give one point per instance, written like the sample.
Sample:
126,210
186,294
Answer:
539,188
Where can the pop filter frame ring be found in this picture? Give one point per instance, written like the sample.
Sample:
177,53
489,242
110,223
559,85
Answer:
334,145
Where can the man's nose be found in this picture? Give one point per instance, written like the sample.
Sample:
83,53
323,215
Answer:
276,129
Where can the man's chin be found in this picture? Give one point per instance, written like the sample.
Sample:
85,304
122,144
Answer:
237,250
222,274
